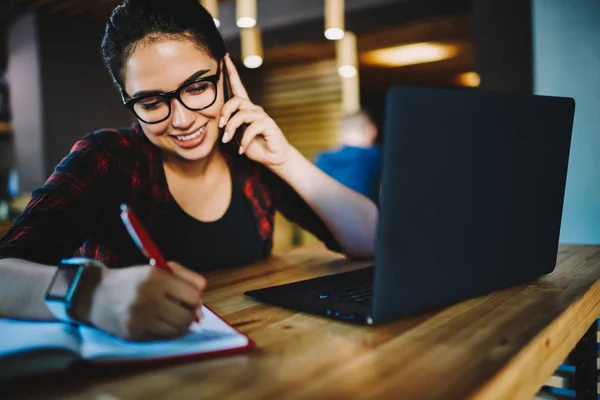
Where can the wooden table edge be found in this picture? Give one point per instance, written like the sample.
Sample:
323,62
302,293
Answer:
577,318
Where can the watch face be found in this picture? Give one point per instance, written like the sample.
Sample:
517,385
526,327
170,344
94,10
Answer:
63,282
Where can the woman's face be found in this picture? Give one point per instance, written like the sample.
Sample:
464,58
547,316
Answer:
163,66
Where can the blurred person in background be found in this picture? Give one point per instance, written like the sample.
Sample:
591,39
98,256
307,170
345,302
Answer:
357,163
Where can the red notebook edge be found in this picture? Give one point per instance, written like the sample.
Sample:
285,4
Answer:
195,356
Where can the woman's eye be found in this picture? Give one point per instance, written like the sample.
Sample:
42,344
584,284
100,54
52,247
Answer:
150,105
197,88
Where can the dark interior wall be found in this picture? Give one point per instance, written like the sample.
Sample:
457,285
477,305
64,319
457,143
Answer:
503,45
5,18
78,94
24,83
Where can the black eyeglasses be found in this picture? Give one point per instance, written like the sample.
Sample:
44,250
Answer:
196,95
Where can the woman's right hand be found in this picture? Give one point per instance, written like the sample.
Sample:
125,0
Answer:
147,303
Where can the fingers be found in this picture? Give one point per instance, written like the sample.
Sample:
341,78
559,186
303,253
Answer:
187,292
183,294
229,108
237,87
242,117
174,314
236,104
255,129
163,330
194,279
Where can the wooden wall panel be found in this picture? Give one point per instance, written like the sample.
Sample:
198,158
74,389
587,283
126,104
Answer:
305,101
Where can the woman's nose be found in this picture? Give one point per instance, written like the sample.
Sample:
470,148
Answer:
182,117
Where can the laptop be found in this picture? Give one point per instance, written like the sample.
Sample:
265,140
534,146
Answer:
471,202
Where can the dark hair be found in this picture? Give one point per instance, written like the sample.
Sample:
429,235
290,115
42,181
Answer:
138,20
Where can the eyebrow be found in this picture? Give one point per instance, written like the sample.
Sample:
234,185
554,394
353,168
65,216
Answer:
191,78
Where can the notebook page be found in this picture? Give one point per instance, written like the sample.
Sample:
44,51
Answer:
19,336
211,334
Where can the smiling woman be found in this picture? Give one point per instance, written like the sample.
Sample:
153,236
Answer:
204,168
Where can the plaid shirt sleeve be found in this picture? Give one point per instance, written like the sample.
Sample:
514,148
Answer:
295,209
58,218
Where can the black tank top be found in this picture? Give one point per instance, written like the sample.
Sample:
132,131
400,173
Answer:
231,241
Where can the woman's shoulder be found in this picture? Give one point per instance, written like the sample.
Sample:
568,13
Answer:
112,140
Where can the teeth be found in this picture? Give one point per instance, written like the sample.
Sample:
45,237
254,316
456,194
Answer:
192,136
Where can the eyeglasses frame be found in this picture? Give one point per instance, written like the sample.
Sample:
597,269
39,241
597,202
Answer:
175,94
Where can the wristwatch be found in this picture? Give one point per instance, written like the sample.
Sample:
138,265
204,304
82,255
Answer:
69,294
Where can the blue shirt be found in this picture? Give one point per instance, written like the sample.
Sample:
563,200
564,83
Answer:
356,167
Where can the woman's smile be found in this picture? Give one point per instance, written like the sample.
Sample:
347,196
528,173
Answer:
191,140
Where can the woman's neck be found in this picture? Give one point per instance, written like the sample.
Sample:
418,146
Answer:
213,162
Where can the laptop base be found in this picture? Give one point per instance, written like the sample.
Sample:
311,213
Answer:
341,296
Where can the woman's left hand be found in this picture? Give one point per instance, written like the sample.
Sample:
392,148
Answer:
262,141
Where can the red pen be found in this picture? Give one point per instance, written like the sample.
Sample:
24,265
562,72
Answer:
143,241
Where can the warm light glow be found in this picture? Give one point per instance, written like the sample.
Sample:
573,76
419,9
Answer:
410,54
253,61
347,71
245,11
334,34
252,51
334,19
346,55
246,22
217,22
347,64
470,79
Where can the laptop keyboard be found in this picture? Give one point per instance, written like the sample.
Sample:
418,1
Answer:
362,295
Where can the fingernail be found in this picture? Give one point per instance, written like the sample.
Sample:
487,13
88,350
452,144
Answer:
221,122
198,314
225,136
241,149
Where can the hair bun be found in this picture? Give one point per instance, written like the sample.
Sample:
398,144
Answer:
135,20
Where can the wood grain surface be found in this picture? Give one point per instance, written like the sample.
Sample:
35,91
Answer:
501,346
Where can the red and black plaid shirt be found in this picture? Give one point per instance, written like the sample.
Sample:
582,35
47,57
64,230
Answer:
78,206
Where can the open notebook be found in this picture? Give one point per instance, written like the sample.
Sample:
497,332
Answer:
28,348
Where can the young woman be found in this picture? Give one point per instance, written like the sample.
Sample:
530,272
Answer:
206,194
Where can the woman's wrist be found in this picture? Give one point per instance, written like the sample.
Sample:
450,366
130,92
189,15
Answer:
88,295
283,169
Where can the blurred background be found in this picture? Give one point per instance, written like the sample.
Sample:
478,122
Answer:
54,88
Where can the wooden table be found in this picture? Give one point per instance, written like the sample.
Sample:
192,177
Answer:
501,346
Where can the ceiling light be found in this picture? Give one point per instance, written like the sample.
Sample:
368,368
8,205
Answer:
334,19
246,13
470,79
253,61
252,50
410,54
346,55
347,71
